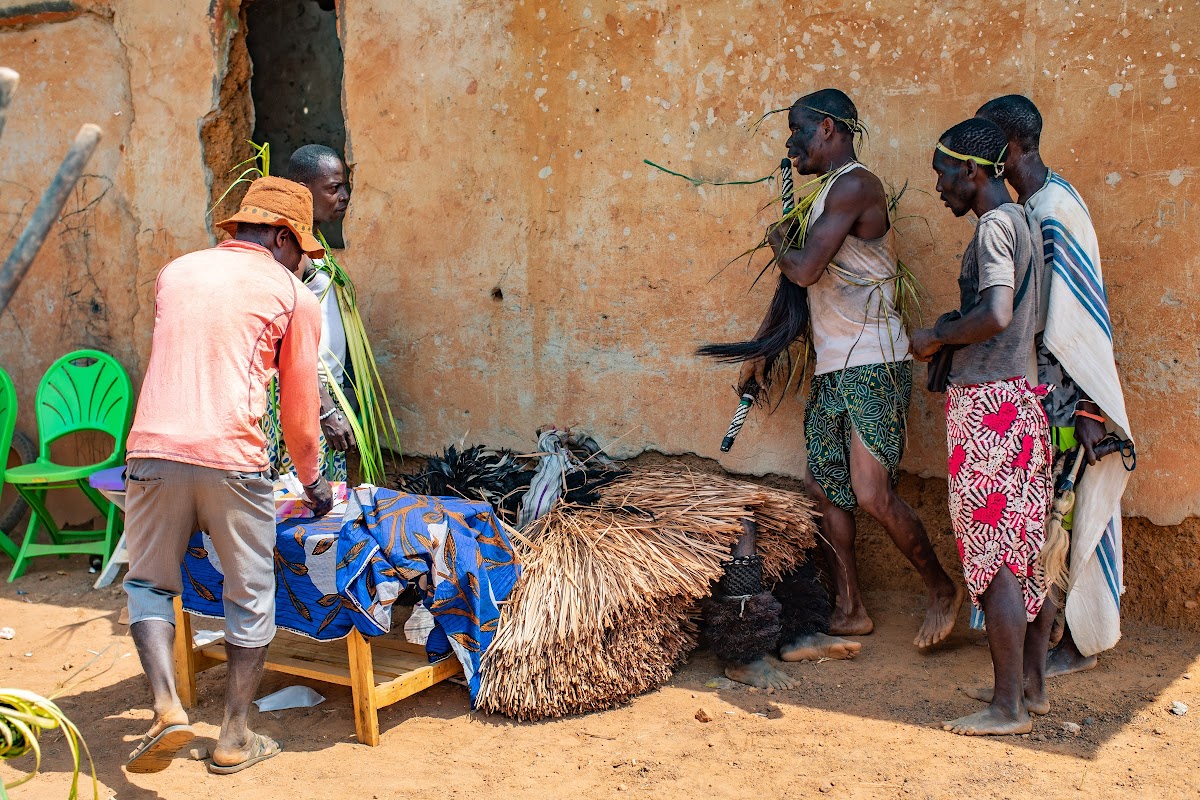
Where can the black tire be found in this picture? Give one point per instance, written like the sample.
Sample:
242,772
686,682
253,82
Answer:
14,514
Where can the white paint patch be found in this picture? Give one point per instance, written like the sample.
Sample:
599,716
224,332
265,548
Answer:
587,13
579,154
1169,81
874,49
539,93
666,138
545,172
1114,89
817,67
1176,177
626,174
838,50
854,75
670,237
626,82
1113,178
626,231
894,143
541,13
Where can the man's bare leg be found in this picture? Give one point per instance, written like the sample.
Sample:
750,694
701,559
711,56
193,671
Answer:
155,643
1037,636
837,533
758,673
1004,614
237,741
873,487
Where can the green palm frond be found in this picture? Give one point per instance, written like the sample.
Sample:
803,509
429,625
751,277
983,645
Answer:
24,716
262,154
705,181
374,427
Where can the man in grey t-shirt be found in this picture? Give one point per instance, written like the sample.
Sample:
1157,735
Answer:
998,440
1000,254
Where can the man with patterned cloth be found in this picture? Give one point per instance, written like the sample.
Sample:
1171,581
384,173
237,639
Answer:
997,437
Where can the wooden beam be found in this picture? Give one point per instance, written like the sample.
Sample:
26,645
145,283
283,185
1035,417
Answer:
412,682
362,688
185,656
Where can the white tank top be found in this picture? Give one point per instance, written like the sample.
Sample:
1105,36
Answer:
854,316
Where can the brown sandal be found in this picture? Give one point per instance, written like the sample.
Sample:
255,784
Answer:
154,753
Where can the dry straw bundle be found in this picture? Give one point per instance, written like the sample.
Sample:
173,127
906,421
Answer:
605,605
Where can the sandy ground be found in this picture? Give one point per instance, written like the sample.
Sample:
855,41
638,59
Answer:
862,729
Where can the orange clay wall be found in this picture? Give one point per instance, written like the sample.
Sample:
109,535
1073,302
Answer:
517,262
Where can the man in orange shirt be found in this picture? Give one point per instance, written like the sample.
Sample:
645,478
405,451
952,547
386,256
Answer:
226,321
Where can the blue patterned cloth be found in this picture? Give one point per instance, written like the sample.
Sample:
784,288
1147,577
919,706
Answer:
332,576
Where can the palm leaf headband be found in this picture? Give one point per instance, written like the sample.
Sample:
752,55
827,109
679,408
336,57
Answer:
856,126
983,162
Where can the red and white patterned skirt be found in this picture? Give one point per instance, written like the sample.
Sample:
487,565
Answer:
1000,484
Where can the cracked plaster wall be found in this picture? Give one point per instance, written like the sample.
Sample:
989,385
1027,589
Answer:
499,146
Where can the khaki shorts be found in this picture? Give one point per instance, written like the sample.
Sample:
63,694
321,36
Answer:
168,501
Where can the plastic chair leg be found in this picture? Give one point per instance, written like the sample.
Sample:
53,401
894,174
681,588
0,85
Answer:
21,560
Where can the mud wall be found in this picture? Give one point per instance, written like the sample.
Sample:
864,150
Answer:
519,264
524,266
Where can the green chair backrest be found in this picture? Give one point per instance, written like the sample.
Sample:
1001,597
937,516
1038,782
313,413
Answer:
8,417
84,391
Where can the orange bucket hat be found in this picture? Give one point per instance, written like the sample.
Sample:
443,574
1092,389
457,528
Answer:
279,202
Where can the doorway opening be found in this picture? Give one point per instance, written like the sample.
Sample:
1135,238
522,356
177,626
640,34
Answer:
297,85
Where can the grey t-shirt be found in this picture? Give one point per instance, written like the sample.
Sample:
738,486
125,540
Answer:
1002,253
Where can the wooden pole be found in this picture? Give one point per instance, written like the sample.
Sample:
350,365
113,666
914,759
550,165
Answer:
47,211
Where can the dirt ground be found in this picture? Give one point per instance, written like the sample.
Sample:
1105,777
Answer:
862,729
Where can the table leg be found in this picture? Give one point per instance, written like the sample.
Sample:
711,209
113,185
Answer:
362,689
185,657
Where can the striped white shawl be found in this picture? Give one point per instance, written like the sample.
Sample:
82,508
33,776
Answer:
1079,334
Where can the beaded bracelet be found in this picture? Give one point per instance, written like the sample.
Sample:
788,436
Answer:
328,414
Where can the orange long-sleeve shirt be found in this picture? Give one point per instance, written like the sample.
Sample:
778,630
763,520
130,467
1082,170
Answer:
226,320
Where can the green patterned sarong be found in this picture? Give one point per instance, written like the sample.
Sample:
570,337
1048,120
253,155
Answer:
872,400
332,462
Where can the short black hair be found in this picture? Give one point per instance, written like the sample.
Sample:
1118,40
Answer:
977,137
832,103
306,163
257,232
1017,116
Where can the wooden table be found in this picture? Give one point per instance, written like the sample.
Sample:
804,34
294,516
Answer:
379,670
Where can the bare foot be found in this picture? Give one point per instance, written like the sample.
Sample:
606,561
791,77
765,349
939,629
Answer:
1036,705
256,748
760,674
989,722
939,618
1064,661
817,646
855,623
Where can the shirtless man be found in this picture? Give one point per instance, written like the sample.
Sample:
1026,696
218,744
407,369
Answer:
855,419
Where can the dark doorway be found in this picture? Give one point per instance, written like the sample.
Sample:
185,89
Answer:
297,83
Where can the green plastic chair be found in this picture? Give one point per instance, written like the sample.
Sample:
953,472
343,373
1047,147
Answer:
8,423
83,391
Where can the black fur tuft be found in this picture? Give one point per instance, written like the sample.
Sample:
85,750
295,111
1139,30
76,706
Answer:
742,633
806,606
